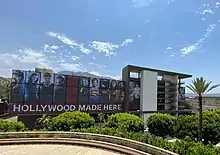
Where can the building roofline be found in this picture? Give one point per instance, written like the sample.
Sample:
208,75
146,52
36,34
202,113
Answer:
134,68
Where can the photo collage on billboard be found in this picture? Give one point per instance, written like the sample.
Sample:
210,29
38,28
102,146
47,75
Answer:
95,90
17,86
134,94
45,91
181,96
32,83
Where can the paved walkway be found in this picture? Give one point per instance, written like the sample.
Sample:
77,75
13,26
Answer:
51,150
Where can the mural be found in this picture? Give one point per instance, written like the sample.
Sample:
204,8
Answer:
37,92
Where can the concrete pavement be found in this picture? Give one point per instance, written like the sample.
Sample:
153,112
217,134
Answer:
51,150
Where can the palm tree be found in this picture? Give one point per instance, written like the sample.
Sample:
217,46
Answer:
200,86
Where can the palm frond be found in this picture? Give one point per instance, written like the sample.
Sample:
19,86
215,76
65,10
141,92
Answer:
200,86
212,87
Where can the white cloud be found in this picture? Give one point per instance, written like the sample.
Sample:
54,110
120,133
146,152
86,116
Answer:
108,48
75,57
208,9
70,42
78,67
105,75
169,48
172,55
54,47
50,49
56,57
24,59
97,65
194,47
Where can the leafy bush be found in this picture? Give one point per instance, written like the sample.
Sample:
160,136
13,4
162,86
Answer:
183,147
11,126
188,126
161,124
70,120
217,111
125,122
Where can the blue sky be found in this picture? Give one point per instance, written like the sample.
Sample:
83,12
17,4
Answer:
102,37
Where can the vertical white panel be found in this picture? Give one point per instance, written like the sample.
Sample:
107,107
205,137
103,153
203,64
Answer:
148,101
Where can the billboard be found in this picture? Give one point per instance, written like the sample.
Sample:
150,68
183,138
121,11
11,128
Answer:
47,93
134,94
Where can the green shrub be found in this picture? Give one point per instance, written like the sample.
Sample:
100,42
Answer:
161,124
125,122
11,126
188,126
70,120
200,149
183,147
217,111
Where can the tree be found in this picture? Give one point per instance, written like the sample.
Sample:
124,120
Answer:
5,89
200,86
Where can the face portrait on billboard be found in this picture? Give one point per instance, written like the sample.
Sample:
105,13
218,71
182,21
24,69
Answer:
33,78
17,81
84,82
32,84
46,88
18,76
134,92
60,80
94,83
17,86
104,83
113,84
121,85
47,79
59,89
122,96
94,90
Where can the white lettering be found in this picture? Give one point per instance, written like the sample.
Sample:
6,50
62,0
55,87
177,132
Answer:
88,108
72,107
99,107
94,107
31,108
25,108
66,108
17,107
82,107
37,108
51,107
110,107
59,108
43,107
119,107
115,107
105,107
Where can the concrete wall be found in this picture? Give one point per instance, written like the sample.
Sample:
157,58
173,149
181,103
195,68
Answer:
148,100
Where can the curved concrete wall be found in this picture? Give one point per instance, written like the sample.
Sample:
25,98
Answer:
136,148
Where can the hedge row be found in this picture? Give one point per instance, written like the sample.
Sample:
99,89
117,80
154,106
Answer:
77,120
184,147
187,125
131,127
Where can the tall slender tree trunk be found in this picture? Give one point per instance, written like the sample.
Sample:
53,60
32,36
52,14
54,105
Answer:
200,118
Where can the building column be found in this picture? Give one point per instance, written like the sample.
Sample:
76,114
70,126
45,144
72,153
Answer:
148,97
